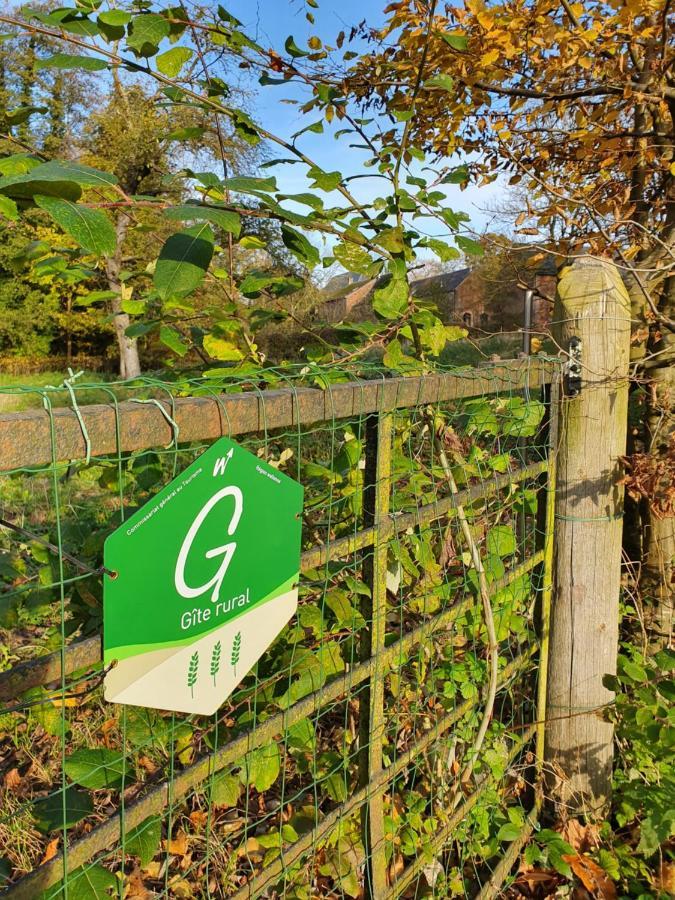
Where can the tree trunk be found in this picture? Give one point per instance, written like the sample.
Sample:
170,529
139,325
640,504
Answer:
593,306
130,365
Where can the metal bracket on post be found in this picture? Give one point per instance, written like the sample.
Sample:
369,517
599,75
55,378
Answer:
572,369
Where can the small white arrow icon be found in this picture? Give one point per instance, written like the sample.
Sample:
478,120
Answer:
221,462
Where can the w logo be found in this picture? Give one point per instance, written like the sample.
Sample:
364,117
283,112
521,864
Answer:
221,463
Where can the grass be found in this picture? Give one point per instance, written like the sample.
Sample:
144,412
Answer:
478,350
18,392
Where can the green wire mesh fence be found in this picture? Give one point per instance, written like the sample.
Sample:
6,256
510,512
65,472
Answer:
349,762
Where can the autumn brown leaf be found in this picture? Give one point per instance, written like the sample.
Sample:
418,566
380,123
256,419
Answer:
593,878
50,850
581,838
178,845
12,780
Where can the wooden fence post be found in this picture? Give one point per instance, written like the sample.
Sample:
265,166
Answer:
592,306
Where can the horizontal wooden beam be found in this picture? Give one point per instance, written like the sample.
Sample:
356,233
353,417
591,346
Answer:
38,437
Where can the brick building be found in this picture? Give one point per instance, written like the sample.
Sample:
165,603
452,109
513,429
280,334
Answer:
487,297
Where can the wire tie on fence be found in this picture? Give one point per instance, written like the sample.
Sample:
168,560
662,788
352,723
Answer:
172,422
68,385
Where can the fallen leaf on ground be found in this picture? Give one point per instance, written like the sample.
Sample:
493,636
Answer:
135,888
581,837
12,780
181,888
592,876
147,764
50,851
179,844
199,818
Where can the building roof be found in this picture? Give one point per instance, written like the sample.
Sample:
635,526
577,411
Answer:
446,282
341,285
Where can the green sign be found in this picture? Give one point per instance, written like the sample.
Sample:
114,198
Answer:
207,575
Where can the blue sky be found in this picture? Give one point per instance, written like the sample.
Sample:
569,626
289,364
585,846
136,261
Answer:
271,22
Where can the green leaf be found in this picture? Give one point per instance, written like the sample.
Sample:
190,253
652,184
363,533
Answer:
138,329
300,247
94,297
301,736
293,49
442,250
63,170
49,813
90,228
144,840
18,164
277,285
456,41
521,418
354,258
394,358
91,882
440,82
509,832
243,184
171,62
467,245
245,127
225,789
146,32
114,17
72,61
434,336
227,17
481,418
307,199
55,179
44,712
391,239
391,299
633,670
252,242
501,540
24,187
98,768
146,728
325,181
189,133
183,262
171,339
133,307
22,114
224,218
8,208
220,348
457,176
261,767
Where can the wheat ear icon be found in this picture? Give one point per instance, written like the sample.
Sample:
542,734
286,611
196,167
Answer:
215,661
236,647
192,672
